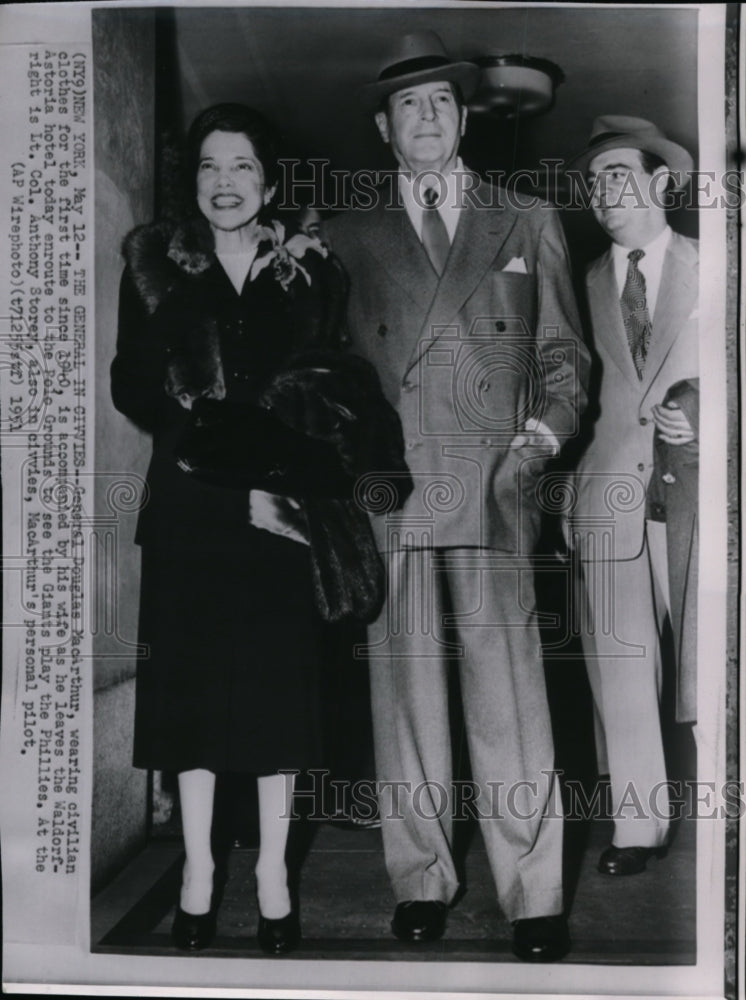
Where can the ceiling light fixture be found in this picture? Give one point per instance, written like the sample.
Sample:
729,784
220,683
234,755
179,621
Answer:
515,85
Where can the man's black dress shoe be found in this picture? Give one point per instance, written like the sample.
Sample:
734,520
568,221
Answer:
419,920
192,932
541,939
277,937
627,860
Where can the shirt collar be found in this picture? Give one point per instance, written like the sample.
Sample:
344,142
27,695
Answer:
411,187
654,251
650,266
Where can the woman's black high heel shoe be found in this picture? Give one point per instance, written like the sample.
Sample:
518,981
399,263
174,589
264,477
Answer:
277,937
193,932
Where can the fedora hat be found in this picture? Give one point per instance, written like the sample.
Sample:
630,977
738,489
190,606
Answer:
418,58
624,132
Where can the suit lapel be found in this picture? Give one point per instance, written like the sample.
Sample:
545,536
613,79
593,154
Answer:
393,242
677,298
480,235
608,325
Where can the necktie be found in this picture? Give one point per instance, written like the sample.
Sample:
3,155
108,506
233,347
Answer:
434,233
635,312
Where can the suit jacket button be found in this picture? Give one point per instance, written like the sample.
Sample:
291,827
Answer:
500,326
407,385
382,330
640,466
643,421
668,478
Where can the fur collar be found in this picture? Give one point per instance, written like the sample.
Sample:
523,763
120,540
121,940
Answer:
155,253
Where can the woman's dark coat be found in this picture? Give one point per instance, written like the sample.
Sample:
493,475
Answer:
181,323
229,679
312,420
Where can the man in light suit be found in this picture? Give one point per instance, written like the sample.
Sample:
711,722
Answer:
464,306
642,298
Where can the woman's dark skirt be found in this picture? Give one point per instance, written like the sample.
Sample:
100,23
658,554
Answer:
230,679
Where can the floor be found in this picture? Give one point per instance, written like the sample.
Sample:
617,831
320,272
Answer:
346,905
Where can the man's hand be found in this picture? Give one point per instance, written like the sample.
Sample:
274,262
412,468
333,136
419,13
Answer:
278,515
673,426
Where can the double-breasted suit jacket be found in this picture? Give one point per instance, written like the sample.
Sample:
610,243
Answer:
614,471
467,358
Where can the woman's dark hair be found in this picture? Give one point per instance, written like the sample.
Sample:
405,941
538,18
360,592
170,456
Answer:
234,118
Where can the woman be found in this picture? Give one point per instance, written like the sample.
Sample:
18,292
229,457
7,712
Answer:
209,309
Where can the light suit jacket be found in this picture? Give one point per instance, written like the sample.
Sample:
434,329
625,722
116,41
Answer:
614,471
466,359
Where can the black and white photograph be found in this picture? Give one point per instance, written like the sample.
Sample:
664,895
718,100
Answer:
370,452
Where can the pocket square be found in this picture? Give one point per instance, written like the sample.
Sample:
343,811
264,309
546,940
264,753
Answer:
517,265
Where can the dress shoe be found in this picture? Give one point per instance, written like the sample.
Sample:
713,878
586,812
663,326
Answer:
419,920
279,936
193,931
627,860
541,939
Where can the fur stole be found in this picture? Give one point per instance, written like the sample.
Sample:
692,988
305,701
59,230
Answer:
162,256
155,254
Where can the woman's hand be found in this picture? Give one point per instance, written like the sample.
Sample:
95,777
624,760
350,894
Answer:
278,515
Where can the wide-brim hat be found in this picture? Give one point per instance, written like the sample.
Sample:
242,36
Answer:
624,132
418,58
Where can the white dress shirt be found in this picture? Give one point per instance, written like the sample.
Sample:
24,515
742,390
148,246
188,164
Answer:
450,196
651,266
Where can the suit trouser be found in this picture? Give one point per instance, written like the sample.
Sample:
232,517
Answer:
488,600
626,602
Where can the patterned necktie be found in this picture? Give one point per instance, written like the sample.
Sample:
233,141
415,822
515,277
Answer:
635,312
434,233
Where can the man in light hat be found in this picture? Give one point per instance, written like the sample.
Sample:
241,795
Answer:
465,308
638,570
